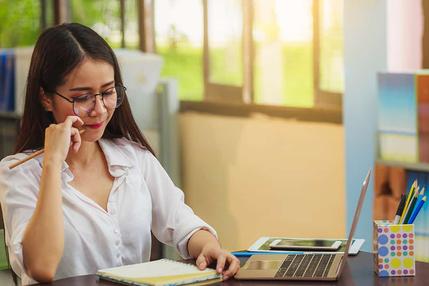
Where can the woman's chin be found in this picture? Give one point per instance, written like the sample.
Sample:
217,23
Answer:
92,136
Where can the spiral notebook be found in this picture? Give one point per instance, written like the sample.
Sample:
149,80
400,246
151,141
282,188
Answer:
160,272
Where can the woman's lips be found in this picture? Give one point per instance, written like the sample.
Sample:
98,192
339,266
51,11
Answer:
95,126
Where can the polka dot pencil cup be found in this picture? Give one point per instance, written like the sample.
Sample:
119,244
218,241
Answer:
394,253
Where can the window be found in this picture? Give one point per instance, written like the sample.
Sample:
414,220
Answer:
104,16
283,40
265,52
331,46
20,23
281,53
179,39
225,42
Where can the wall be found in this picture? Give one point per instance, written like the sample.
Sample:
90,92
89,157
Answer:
404,34
365,53
250,177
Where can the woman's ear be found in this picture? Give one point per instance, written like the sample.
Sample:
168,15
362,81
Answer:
45,100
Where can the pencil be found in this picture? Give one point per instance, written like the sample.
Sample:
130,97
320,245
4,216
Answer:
400,209
410,195
417,210
411,207
35,154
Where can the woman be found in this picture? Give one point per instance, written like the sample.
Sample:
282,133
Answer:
93,198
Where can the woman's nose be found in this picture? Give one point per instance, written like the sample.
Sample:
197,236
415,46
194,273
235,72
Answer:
99,107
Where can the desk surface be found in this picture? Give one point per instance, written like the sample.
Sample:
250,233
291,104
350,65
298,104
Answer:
358,271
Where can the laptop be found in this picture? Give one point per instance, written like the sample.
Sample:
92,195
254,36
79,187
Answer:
310,266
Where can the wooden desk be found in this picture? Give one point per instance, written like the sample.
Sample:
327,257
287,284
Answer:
358,271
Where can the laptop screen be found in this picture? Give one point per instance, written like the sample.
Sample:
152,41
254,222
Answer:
355,218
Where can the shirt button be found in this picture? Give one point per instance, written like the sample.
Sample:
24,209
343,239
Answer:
116,231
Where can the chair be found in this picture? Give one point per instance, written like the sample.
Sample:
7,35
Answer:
14,275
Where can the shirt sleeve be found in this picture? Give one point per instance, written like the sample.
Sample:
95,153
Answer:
18,198
173,222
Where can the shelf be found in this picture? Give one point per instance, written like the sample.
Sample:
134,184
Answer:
406,165
9,115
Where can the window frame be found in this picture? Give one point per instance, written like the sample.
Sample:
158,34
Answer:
216,92
244,94
62,10
233,100
322,98
227,99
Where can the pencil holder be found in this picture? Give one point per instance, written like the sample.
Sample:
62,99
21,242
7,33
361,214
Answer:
393,246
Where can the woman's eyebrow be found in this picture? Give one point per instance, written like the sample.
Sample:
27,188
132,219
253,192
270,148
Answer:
83,88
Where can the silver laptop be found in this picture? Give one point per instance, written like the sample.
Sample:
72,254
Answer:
314,266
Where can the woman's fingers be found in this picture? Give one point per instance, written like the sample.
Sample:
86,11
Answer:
234,266
75,139
68,127
73,120
201,262
226,263
220,263
60,137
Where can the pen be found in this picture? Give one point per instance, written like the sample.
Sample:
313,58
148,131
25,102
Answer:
250,253
411,206
400,209
417,210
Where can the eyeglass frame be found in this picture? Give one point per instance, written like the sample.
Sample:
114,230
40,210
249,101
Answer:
72,100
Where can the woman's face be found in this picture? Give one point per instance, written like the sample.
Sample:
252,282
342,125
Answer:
89,77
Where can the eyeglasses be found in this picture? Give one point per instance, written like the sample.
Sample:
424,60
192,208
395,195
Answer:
85,103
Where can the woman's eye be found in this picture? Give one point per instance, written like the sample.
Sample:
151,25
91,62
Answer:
108,92
81,98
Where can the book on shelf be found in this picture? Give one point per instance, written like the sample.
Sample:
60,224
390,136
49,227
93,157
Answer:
422,87
403,114
397,119
160,272
7,80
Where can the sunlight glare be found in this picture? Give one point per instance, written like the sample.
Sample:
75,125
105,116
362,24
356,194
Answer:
295,19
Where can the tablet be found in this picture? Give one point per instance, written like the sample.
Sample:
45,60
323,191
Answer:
306,244
263,244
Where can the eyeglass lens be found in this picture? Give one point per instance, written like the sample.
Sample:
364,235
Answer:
112,98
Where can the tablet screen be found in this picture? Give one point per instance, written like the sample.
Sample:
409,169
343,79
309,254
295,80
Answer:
306,242
321,244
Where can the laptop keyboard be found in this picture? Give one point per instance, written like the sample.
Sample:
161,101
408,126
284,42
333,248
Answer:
306,265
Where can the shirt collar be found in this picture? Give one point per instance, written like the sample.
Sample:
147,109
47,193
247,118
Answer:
115,155
118,162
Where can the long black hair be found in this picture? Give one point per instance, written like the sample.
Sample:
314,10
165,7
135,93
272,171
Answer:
57,52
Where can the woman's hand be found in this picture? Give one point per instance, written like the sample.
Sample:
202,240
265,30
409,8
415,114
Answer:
227,264
59,138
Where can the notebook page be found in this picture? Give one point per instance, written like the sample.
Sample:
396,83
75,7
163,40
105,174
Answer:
158,268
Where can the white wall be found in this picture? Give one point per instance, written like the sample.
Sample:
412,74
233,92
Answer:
404,34
389,38
365,53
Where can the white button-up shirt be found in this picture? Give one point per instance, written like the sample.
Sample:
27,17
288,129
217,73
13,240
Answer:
143,199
